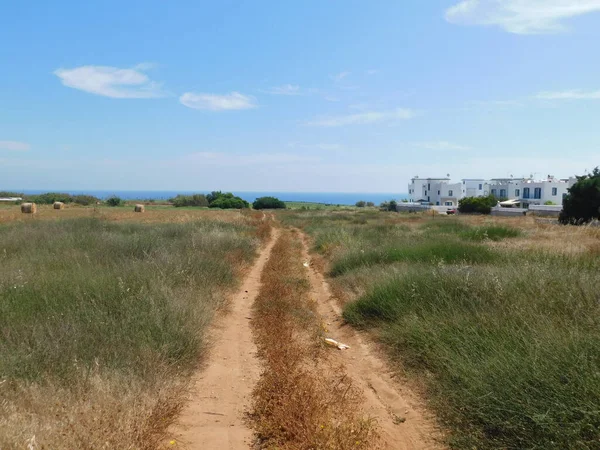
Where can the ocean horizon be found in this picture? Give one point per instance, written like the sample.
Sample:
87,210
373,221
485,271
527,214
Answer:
332,198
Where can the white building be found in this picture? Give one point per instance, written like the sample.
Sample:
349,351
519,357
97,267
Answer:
522,191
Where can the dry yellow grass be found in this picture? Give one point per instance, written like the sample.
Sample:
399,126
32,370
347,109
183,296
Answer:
301,401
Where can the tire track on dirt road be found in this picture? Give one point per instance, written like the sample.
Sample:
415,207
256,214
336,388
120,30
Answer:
214,415
402,420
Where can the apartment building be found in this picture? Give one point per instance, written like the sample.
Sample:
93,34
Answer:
521,191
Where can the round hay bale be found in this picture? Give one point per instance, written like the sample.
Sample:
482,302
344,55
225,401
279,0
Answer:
139,208
28,208
59,205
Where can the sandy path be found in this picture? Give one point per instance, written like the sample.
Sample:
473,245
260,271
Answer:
214,415
386,400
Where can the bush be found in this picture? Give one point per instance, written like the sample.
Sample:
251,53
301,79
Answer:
49,197
8,194
370,204
361,204
268,203
481,205
114,201
582,203
218,199
85,200
190,200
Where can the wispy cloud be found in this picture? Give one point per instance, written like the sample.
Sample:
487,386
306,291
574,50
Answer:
214,102
520,16
111,81
339,76
330,98
372,71
575,94
440,146
14,146
364,118
285,89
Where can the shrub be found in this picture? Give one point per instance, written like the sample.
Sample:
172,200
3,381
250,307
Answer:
49,197
370,204
549,202
85,200
218,199
582,203
114,201
361,204
8,194
268,203
481,205
190,200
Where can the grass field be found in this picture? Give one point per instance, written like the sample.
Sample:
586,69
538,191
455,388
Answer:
103,317
496,319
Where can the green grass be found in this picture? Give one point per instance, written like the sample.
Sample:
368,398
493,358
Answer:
117,300
432,252
506,342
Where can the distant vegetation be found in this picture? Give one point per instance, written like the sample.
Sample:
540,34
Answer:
50,197
218,199
392,205
268,203
190,200
582,203
481,205
114,201
362,204
506,338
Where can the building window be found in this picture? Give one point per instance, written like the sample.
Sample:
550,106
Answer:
448,203
517,192
450,193
428,186
525,192
554,191
437,203
537,193
503,193
425,192
480,186
438,192
428,199
494,191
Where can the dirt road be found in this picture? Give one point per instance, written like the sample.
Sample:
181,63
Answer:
401,417
214,415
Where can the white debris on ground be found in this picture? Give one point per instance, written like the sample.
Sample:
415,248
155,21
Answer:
337,344
306,264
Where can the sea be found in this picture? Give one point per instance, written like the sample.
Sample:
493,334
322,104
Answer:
329,198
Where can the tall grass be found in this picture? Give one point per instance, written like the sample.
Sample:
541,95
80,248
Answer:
93,311
509,350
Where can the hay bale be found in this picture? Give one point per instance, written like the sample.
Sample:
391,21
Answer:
28,208
139,208
59,205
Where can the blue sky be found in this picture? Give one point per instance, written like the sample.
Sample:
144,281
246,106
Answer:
327,95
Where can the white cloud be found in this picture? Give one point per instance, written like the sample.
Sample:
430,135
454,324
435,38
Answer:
520,16
364,118
214,102
320,146
440,146
329,98
111,81
286,89
14,146
575,94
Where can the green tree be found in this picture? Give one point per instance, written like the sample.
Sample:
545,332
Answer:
361,204
268,203
582,203
190,200
370,204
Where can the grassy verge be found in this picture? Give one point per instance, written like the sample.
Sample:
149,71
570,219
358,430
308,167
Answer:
101,323
300,402
508,349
